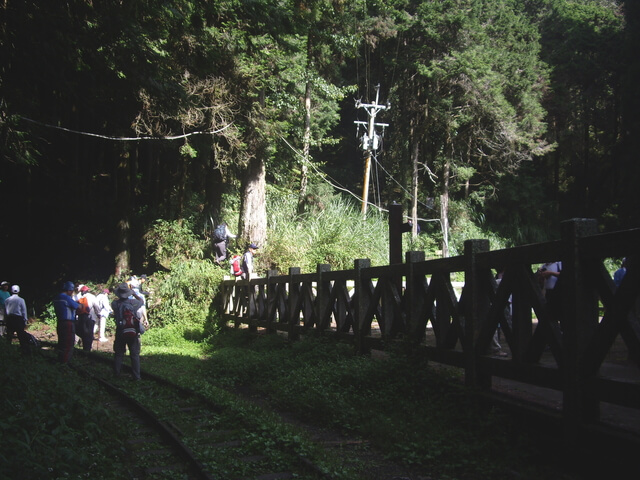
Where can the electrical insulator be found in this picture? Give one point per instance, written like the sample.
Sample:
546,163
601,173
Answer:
376,139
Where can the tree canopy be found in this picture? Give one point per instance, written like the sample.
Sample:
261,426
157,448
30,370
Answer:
507,114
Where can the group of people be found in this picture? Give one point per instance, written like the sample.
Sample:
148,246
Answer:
78,312
221,237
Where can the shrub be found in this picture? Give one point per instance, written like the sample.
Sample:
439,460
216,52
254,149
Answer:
173,241
183,296
336,235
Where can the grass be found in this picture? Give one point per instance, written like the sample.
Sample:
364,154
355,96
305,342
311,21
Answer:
410,412
413,414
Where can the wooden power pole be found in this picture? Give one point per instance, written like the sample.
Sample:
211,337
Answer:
370,141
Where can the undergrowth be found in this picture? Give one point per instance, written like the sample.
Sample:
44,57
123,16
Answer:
417,416
53,425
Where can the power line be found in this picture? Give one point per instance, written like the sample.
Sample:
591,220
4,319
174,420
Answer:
127,139
337,186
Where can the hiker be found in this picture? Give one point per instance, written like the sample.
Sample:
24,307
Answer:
86,317
221,236
16,318
65,307
103,310
620,273
128,329
135,284
4,294
247,261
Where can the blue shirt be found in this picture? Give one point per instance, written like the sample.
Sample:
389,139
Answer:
619,275
65,307
4,294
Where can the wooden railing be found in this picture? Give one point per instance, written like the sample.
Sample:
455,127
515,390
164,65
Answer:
415,305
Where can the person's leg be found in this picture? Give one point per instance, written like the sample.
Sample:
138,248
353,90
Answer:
103,324
87,341
134,353
66,339
119,347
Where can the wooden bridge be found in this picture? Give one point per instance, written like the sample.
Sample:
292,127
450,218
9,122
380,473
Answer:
415,305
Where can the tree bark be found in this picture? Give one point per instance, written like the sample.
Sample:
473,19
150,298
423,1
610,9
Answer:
253,216
123,225
444,208
414,189
306,147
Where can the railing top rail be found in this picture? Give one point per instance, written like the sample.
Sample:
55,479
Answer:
528,254
385,270
303,277
615,244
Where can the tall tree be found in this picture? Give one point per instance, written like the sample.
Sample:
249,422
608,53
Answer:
468,87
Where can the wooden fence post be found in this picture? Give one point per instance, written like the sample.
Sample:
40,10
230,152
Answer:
579,319
360,304
271,300
293,314
323,292
414,298
475,308
395,233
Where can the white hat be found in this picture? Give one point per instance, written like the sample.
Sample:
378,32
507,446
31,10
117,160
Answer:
15,289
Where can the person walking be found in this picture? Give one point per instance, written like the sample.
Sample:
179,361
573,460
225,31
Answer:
4,294
16,318
247,261
128,329
86,317
102,307
65,307
620,273
221,236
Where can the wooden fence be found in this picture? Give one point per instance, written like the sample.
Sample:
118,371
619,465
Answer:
415,305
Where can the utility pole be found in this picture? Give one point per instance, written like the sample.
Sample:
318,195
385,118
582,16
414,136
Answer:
370,141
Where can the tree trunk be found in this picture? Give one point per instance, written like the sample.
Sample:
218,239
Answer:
253,215
123,225
414,190
444,208
306,141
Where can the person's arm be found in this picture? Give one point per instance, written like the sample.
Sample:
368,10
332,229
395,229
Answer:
228,232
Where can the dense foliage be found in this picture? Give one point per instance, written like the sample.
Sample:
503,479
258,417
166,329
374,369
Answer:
125,126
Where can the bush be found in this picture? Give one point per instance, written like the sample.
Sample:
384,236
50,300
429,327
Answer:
173,241
335,235
182,297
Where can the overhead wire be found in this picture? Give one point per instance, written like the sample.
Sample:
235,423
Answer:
127,139
336,185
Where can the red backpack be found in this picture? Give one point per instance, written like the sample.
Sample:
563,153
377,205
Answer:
128,324
236,268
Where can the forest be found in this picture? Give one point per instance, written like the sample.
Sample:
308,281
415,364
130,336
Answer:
119,119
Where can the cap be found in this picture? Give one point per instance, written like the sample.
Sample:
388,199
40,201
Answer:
84,288
3,284
68,286
253,245
15,289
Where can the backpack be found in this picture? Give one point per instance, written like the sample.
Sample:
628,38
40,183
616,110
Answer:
236,268
128,322
83,309
219,234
